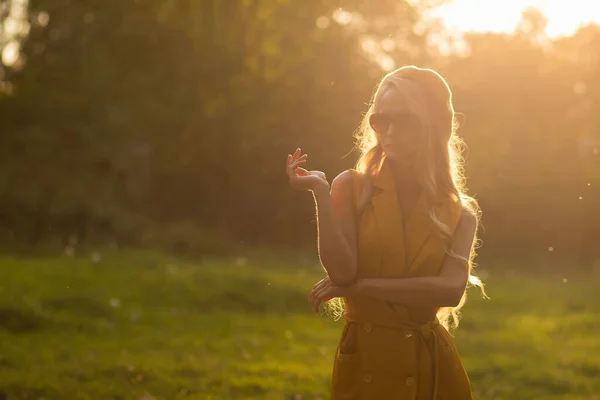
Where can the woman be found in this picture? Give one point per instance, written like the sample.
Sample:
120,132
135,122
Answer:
396,236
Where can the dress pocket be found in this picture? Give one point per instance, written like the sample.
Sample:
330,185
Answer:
348,345
346,367
346,358
346,373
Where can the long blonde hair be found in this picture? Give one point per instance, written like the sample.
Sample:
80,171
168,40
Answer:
429,97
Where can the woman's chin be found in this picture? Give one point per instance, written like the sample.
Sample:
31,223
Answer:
400,159
397,156
391,154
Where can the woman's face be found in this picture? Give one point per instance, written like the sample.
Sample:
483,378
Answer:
399,130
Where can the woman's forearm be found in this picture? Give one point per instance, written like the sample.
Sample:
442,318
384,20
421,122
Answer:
334,250
435,291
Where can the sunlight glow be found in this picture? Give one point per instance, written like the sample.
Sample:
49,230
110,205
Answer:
322,22
342,17
387,63
10,53
15,27
564,17
43,18
474,280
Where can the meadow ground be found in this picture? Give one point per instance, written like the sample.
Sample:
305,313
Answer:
140,325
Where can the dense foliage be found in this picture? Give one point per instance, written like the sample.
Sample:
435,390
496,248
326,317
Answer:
163,122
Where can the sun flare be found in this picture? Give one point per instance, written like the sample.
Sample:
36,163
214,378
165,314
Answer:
564,17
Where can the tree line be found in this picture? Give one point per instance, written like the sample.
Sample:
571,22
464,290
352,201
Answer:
166,123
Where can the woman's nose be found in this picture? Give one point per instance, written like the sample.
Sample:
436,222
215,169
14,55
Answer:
389,131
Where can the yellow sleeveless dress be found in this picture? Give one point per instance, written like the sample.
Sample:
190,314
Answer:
386,350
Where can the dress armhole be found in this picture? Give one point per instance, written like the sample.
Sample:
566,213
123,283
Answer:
357,183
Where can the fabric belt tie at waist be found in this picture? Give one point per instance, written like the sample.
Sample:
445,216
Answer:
424,330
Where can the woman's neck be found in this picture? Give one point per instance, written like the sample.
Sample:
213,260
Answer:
406,178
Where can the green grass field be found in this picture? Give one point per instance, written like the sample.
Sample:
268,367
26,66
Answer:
138,325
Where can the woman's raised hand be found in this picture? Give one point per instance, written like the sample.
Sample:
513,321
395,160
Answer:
302,179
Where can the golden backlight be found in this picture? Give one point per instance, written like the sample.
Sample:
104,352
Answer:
564,16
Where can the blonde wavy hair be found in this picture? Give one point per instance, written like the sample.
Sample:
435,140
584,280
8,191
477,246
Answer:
441,173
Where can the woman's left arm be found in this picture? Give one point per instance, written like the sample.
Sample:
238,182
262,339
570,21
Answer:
443,290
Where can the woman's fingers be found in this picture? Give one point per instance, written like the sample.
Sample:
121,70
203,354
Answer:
317,303
294,170
311,299
292,164
323,296
297,163
320,294
314,290
296,154
320,284
315,296
293,157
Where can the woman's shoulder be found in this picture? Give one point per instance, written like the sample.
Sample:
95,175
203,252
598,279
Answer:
469,207
467,214
347,177
347,182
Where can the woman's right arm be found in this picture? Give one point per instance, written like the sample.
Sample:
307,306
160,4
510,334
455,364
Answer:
336,221
336,229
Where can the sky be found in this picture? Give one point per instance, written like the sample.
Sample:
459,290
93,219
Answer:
564,16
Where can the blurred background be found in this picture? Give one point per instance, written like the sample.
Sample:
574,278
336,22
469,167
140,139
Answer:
152,247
